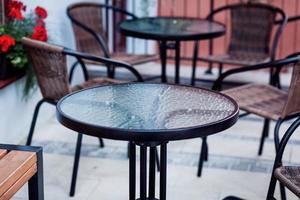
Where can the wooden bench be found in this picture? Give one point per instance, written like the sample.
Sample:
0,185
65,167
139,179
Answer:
19,165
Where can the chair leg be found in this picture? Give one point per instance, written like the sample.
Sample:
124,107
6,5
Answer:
33,122
101,143
202,157
206,151
264,134
276,134
271,189
75,165
220,68
282,192
194,64
209,69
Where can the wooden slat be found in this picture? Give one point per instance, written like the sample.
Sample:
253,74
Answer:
24,179
3,152
13,166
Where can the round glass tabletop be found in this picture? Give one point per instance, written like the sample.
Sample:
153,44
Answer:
171,28
150,112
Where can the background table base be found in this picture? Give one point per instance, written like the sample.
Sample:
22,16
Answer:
164,46
147,193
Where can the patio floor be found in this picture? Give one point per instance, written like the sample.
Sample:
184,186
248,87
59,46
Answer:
233,166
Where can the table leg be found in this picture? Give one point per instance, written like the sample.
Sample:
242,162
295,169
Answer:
177,62
163,58
163,171
132,170
143,172
152,172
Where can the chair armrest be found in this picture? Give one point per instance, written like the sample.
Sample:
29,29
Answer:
275,64
120,10
290,19
107,61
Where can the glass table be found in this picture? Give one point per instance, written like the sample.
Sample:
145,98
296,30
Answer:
165,29
147,115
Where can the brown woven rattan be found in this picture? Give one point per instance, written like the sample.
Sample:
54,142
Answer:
250,35
268,101
262,100
50,67
289,176
90,18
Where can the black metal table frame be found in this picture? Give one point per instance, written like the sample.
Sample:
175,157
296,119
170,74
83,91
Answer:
172,42
138,137
143,171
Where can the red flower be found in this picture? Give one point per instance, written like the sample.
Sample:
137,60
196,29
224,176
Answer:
40,22
40,33
41,12
15,9
6,41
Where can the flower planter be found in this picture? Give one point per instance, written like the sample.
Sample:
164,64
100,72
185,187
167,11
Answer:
6,68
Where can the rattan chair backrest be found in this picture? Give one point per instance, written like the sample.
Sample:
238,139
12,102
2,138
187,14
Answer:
90,19
50,67
90,15
292,105
251,30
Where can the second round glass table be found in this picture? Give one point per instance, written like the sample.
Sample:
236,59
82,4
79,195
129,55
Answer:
165,29
147,115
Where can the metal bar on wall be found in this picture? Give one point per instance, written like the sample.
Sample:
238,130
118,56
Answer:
3,6
133,3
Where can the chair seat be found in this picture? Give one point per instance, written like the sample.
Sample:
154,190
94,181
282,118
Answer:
289,176
95,82
263,100
132,59
241,59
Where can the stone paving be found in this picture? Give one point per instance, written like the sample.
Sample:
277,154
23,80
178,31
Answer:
233,166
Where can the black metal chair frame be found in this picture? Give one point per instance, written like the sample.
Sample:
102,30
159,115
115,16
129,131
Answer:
278,160
282,22
79,56
98,39
277,163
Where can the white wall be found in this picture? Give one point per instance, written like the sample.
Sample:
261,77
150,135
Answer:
16,113
142,9
58,24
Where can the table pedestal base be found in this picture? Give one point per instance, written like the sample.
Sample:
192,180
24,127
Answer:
147,193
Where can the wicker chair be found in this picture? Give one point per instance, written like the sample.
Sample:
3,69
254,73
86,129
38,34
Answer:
266,100
250,36
287,176
91,22
50,66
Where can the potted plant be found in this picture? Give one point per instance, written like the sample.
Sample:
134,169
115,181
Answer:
19,24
